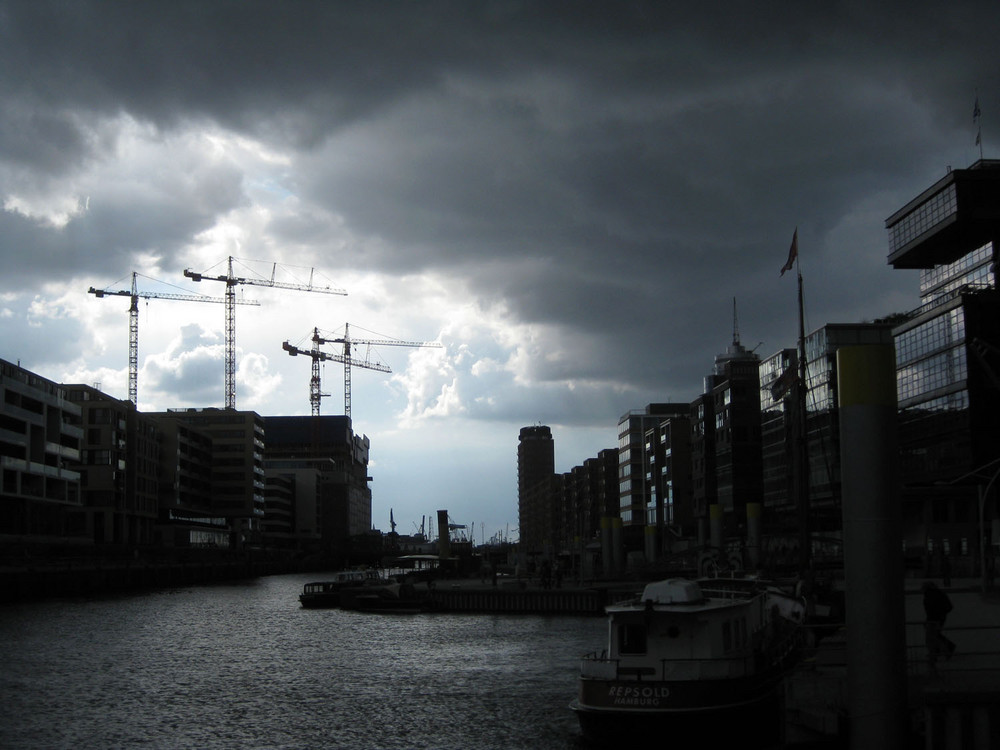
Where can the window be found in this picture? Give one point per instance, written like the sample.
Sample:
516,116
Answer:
931,212
632,639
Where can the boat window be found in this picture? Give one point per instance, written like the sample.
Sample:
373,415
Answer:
632,639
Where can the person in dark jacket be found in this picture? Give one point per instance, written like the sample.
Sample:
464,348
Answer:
937,605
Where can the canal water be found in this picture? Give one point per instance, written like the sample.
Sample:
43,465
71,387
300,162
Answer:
243,666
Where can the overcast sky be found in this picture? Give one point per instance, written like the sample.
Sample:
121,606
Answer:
567,196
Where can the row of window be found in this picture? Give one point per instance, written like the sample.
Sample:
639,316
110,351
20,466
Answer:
945,369
928,214
941,332
969,269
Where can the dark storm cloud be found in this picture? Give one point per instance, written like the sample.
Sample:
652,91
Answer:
619,169
105,235
306,67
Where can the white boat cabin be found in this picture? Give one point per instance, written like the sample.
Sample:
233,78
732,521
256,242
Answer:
677,630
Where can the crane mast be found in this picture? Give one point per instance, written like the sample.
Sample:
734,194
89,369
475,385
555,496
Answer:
315,391
133,322
232,281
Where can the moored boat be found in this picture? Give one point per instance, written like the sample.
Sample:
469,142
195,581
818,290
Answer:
393,597
706,656
321,594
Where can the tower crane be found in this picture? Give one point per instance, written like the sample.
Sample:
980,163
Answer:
133,322
315,390
231,281
347,358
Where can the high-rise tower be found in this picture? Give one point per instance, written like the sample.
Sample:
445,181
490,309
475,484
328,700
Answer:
535,469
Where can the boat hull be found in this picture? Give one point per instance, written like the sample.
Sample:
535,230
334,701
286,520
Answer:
642,710
320,601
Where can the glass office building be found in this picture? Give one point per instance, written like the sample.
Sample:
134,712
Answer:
947,367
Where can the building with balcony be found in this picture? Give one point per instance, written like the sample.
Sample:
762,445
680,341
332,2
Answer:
279,510
40,439
237,469
636,506
187,518
119,470
670,510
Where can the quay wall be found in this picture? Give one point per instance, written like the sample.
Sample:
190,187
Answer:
536,601
525,600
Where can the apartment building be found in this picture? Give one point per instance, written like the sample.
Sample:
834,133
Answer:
40,440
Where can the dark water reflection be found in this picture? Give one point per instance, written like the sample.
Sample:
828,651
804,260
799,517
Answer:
243,666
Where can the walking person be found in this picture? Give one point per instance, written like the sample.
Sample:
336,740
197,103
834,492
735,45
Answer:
937,605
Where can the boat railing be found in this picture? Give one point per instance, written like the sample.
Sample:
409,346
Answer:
602,667
599,665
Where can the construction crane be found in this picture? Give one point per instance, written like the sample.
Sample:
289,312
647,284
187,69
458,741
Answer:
231,281
133,322
317,355
347,358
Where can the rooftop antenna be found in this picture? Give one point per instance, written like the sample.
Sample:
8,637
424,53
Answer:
736,326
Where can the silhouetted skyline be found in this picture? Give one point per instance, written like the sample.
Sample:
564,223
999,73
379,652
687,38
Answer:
567,196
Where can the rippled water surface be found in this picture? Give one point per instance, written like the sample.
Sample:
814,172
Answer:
244,666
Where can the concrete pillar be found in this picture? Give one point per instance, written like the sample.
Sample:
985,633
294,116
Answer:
873,557
650,544
753,536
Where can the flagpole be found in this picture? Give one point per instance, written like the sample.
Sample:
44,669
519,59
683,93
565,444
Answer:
977,120
805,540
801,453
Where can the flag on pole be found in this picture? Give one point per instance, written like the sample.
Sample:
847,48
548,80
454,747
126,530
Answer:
793,253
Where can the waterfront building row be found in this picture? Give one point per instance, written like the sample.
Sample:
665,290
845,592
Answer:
84,469
701,474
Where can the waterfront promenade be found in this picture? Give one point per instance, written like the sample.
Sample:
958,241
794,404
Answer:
954,704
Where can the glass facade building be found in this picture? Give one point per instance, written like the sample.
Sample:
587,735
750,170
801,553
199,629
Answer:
778,374
947,385
637,506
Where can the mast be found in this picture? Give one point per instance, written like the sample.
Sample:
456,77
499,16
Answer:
805,540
